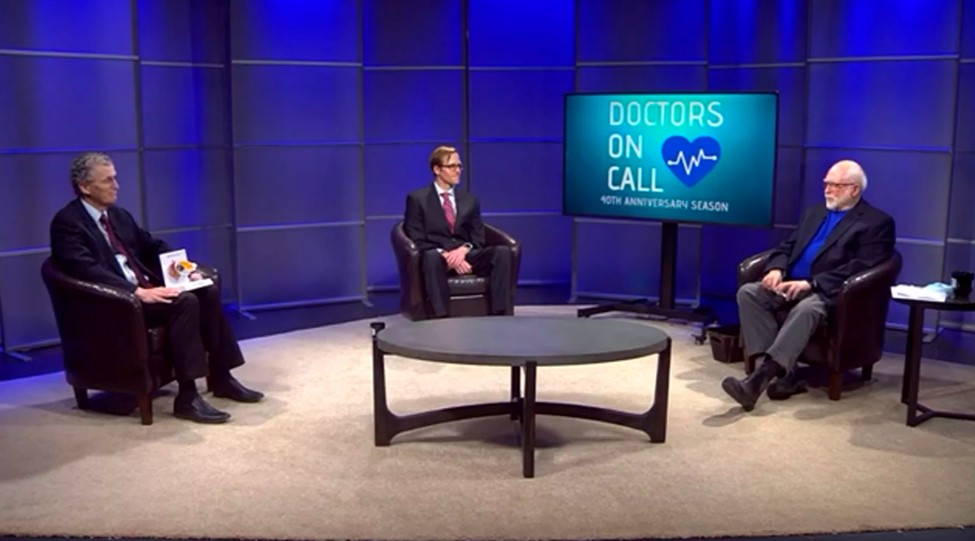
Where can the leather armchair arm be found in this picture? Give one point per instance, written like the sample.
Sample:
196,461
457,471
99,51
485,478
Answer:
103,333
752,269
408,263
861,313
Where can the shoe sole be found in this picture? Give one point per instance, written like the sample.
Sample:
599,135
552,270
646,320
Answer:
235,399
785,395
205,421
733,388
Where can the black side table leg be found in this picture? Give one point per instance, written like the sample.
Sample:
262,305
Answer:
381,413
515,392
528,421
912,363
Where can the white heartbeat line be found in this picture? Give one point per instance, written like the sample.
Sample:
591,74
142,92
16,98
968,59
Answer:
695,160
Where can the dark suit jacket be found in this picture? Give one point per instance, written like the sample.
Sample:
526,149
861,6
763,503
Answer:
426,224
79,249
863,239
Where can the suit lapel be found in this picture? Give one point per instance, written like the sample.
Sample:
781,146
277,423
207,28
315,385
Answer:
852,216
463,205
436,210
107,251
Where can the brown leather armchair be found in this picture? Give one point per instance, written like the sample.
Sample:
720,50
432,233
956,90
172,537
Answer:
105,341
853,334
468,294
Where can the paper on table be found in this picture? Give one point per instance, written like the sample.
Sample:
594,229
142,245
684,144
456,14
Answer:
177,269
904,291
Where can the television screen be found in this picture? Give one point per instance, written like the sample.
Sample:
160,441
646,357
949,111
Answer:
688,157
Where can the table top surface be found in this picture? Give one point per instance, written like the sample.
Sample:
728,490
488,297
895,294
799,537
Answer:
950,304
515,340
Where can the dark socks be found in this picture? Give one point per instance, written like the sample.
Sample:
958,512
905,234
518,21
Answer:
188,389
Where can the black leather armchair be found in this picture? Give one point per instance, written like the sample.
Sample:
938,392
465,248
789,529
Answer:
105,341
468,294
853,333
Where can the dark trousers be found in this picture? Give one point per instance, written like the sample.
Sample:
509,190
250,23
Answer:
493,261
197,326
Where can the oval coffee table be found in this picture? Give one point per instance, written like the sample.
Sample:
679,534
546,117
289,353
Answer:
522,343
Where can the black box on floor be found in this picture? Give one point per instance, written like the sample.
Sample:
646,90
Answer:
726,343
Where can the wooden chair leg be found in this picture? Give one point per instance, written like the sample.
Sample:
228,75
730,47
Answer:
866,372
835,385
81,397
145,408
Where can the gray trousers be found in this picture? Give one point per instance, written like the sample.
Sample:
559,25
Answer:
760,330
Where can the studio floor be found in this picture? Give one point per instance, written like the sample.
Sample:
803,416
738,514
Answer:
302,464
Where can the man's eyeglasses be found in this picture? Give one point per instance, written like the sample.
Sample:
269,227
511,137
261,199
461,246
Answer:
837,185
453,166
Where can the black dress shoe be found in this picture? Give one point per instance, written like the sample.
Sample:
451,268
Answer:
786,386
747,391
198,410
230,388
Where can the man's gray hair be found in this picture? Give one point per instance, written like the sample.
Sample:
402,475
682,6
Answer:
82,165
856,174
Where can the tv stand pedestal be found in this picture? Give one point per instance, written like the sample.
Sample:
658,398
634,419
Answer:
665,307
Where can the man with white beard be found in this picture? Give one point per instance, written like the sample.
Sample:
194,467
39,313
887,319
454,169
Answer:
804,273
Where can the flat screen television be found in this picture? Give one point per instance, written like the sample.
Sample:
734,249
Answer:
706,158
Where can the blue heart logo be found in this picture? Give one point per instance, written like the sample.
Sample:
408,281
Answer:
691,162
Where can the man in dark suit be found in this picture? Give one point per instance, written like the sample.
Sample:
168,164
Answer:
446,225
804,274
96,241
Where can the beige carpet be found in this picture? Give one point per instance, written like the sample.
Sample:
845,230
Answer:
303,465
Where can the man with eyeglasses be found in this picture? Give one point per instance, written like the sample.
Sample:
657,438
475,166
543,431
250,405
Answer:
446,226
832,243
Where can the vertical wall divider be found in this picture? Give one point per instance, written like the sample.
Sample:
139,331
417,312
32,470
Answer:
574,233
465,59
363,260
139,116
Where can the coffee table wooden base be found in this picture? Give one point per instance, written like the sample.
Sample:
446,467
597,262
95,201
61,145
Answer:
653,422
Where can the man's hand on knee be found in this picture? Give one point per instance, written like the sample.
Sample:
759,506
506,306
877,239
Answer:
772,279
794,289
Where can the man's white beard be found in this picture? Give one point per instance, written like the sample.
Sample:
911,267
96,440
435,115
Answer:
831,205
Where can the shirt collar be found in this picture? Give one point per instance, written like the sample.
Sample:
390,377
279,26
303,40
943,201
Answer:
441,191
92,211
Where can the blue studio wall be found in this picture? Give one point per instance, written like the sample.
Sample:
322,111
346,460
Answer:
276,139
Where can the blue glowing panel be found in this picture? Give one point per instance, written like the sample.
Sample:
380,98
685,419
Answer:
965,124
517,176
958,257
642,78
432,36
922,266
93,26
902,27
910,186
276,30
52,103
392,171
882,103
968,30
624,259
788,186
381,266
183,30
281,104
636,30
522,32
27,314
296,185
790,83
961,219
293,265
546,246
183,106
187,188
518,104
724,248
210,247
757,31
406,106
36,186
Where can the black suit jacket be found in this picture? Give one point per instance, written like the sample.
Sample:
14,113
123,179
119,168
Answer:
426,224
79,249
863,239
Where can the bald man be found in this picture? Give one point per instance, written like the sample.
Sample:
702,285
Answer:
832,243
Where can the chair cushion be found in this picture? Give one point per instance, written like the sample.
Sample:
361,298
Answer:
467,285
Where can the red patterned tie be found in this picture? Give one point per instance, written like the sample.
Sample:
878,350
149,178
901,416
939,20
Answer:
448,210
143,281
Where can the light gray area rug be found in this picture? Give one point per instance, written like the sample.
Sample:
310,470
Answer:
302,464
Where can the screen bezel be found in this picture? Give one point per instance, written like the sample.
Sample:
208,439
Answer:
775,158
